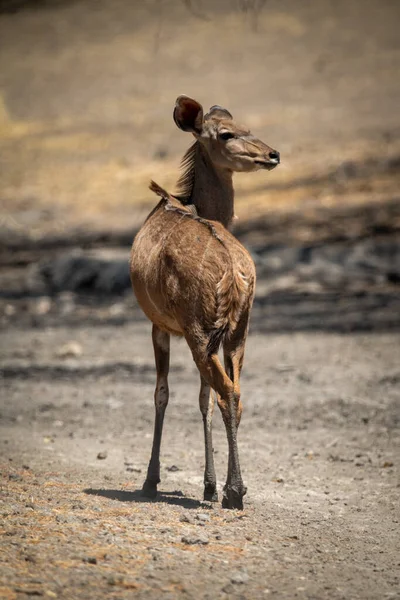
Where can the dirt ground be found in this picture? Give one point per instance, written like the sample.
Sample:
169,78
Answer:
86,94
319,446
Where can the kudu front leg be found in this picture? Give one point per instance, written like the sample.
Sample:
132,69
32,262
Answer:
161,344
206,402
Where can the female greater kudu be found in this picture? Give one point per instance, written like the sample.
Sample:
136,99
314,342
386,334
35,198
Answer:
193,278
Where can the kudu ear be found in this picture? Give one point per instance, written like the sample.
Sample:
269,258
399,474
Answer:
218,112
188,114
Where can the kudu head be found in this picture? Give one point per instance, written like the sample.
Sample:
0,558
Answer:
229,145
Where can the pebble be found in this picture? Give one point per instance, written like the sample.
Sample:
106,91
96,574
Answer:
239,577
202,517
185,518
71,349
65,519
30,558
102,455
173,469
191,540
113,403
43,305
9,310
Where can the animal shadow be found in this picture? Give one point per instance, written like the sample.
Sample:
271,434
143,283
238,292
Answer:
175,497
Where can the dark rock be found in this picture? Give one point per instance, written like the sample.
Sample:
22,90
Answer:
133,470
192,540
77,272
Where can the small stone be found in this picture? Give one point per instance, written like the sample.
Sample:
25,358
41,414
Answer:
46,406
185,518
14,477
239,577
43,305
304,378
91,560
116,309
115,580
284,368
173,469
30,558
113,403
387,464
9,310
102,455
192,540
69,350
65,519
202,517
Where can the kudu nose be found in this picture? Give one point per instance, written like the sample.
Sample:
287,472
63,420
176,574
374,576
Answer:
274,155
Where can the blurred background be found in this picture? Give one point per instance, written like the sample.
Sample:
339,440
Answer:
87,89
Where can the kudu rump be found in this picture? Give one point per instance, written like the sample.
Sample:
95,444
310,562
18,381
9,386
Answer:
193,278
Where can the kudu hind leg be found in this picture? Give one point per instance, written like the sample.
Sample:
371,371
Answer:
228,402
206,402
161,344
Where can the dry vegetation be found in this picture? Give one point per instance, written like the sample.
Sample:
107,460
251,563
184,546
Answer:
86,96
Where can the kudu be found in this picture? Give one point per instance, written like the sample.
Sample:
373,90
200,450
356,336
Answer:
193,278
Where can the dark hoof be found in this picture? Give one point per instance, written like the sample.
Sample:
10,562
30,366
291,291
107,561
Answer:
232,498
210,494
149,490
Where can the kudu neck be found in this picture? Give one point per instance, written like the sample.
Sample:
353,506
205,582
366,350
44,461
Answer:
212,189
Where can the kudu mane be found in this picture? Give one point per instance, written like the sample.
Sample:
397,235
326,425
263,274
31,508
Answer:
186,180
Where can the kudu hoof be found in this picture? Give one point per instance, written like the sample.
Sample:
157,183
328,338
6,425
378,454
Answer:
149,490
210,494
233,498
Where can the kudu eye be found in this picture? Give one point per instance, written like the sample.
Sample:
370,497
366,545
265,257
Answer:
226,135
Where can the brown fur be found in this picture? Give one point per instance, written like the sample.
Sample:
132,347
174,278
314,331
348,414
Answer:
193,278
